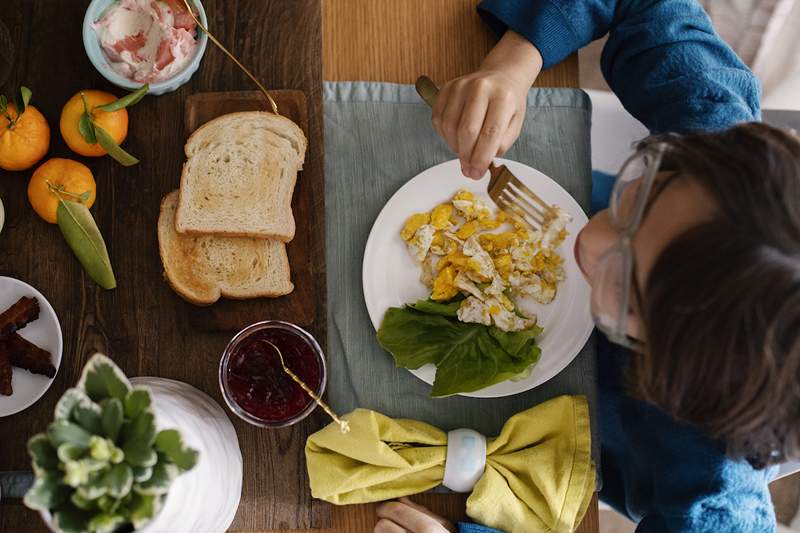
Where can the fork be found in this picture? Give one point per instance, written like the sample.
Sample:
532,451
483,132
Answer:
505,189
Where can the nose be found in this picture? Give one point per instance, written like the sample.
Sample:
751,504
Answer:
594,240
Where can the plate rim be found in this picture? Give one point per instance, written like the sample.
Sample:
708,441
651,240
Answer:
44,302
480,393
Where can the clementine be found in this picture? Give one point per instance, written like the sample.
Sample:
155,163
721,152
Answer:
114,122
24,140
63,178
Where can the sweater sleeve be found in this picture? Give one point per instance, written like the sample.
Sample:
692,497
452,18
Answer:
663,58
469,527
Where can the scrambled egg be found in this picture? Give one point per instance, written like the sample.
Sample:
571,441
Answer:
458,254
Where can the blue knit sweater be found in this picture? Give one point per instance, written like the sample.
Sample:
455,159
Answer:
672,72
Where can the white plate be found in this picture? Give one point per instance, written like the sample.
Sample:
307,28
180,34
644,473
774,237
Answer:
44,332
391,276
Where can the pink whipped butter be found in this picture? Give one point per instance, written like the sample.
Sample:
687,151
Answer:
147,40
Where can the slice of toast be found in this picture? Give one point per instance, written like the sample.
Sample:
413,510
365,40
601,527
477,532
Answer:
239,177
202,268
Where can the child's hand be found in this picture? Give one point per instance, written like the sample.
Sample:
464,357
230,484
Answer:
480,115
405,516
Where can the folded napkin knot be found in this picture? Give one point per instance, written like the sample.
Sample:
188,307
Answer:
466,459
535,476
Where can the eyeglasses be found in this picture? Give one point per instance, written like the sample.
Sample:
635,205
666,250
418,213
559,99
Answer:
615,274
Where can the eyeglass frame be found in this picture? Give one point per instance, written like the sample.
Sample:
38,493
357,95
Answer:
627,279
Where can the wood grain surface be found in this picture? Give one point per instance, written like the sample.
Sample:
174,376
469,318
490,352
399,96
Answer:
299,306
142,324
396,41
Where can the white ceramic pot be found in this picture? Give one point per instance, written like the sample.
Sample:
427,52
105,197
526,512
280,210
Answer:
204,499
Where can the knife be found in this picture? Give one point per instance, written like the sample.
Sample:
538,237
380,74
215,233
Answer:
14,485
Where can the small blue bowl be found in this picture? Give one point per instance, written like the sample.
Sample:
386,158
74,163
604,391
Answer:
95,52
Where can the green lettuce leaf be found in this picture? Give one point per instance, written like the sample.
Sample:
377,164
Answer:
468,357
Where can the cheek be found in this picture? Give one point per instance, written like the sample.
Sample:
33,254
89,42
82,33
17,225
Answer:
595,239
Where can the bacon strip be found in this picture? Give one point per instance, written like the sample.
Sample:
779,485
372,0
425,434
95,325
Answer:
18,316
26,355
5,375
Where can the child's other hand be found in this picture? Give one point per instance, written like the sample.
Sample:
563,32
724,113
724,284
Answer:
480,115
405,516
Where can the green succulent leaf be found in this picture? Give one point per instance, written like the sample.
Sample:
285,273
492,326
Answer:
42,452
69,452
159,482
127,100
106,522
114,150
143,509
78,473
47,492
102,379
71,519
111,417
94,488
140,456
136,402
83,503
142,473
104,450
67,402
62,431
119,480
86,414
170,443
141,431
86,128
84,238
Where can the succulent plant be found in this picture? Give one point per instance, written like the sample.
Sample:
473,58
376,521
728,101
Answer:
101,466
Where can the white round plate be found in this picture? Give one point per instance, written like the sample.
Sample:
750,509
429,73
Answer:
391,276
44,332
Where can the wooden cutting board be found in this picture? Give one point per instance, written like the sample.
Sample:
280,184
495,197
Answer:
297,307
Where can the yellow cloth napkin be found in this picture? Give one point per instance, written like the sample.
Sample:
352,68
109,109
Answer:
539,474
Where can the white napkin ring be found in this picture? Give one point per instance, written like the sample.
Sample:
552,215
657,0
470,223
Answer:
466,459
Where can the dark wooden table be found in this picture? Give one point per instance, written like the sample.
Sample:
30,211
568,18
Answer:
142,324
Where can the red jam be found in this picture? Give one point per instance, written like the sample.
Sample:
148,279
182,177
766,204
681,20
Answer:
257,381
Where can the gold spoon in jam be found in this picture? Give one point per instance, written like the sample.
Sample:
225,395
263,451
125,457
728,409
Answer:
230,55
343,425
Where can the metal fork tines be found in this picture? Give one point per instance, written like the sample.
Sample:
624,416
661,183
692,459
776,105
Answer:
511,195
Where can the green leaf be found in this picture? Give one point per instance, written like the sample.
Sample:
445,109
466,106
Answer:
86,128
61,431
42,452
142,473
119,480
170,443
468,357
85,197
47,492
104,450
67,402
22,99
111,417
94,488
78,473
102,378
438,308
160,481
110,145
106,522
86,414
136,401
127,100
141,431
143,509
140,456
69,452
82,503
71,519
82,235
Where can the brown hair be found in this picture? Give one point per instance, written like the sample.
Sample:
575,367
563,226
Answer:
721,306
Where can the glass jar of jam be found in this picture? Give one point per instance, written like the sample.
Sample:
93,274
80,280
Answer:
255,386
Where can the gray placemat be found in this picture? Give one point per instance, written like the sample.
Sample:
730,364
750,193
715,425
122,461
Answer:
377,137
